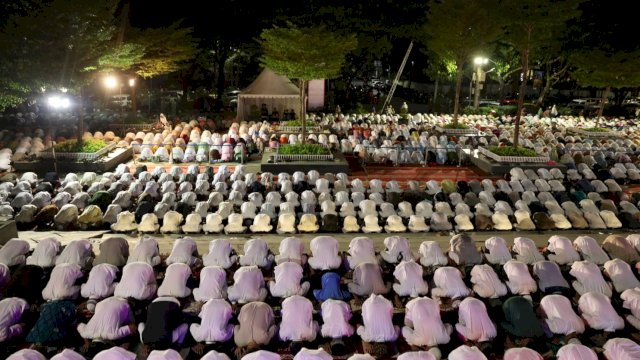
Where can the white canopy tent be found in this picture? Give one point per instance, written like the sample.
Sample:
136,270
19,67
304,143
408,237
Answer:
276,91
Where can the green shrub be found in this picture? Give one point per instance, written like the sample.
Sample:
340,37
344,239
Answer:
512,151
303,149
596,129
299,123
86,146
455,126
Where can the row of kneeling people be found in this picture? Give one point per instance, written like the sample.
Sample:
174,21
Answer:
485,308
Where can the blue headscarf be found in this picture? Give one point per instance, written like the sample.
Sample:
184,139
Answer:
331,288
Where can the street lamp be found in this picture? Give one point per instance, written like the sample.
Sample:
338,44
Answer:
479,76
56,103
132,85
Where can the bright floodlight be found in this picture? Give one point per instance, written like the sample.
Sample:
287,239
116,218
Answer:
110,82
132,82
480,60
59,102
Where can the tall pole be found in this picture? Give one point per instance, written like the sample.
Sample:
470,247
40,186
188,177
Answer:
476,95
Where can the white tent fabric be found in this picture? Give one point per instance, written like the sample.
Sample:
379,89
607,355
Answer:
276,91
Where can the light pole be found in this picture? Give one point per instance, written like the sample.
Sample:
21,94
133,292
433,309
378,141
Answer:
56,103
110,82
132,85
478,78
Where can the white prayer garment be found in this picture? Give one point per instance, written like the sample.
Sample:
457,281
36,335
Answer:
589,278
522,353
431,254
410,280
45,253
147,251
61,283
423,325
324,253
110,322
590,250
486,282
100,283
248,285
175,281
520,280
297,320
621,275
184,251
213,284
576,352
11,310
256,252
138,281
526,250
76,252
335,319
287,280
291,249
377,314
562,249
449,283
214,324
13,252
597,311
308,354
361,250
464,352
220,254
498,251
396,249
560,317
474,323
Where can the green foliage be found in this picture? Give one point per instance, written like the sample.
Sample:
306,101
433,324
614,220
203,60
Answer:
299,123
11,93
86,146
512,151
456,126
305,53
596,129
122,57
303,149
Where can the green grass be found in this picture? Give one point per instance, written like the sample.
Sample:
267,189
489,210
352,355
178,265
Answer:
86,146
299,123
512,151
303,149
596,129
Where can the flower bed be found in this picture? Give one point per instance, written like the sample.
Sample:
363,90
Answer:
526,156
459,130
303,152
91,150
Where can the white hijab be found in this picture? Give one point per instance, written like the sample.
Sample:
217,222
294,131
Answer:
449,279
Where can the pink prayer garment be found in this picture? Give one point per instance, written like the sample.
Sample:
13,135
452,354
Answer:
291,249
431,254
220,254
214,324
410,280
13,252
621,349
29,354
213,284
361,250
423,325
256,252
464,352
498,251
45,253
68,354
449,283
621,275
214,355
110,321
138,281
297,320
474,323
261,355
486,282
396,249
526,250
61,283
324,253
175,281
417,355
248,285
559,316
335,319
287,280
562,250
377,314
520,280
184,251
11,310
589,278
168,354
522,353
115,353
576,352
76,252
309,354
631,301
100,283
598,312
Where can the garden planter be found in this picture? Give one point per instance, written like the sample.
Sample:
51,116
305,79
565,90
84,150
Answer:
512,159
67,156
470,131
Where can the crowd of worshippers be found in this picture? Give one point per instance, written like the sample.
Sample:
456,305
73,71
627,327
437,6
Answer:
569,299
218,200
